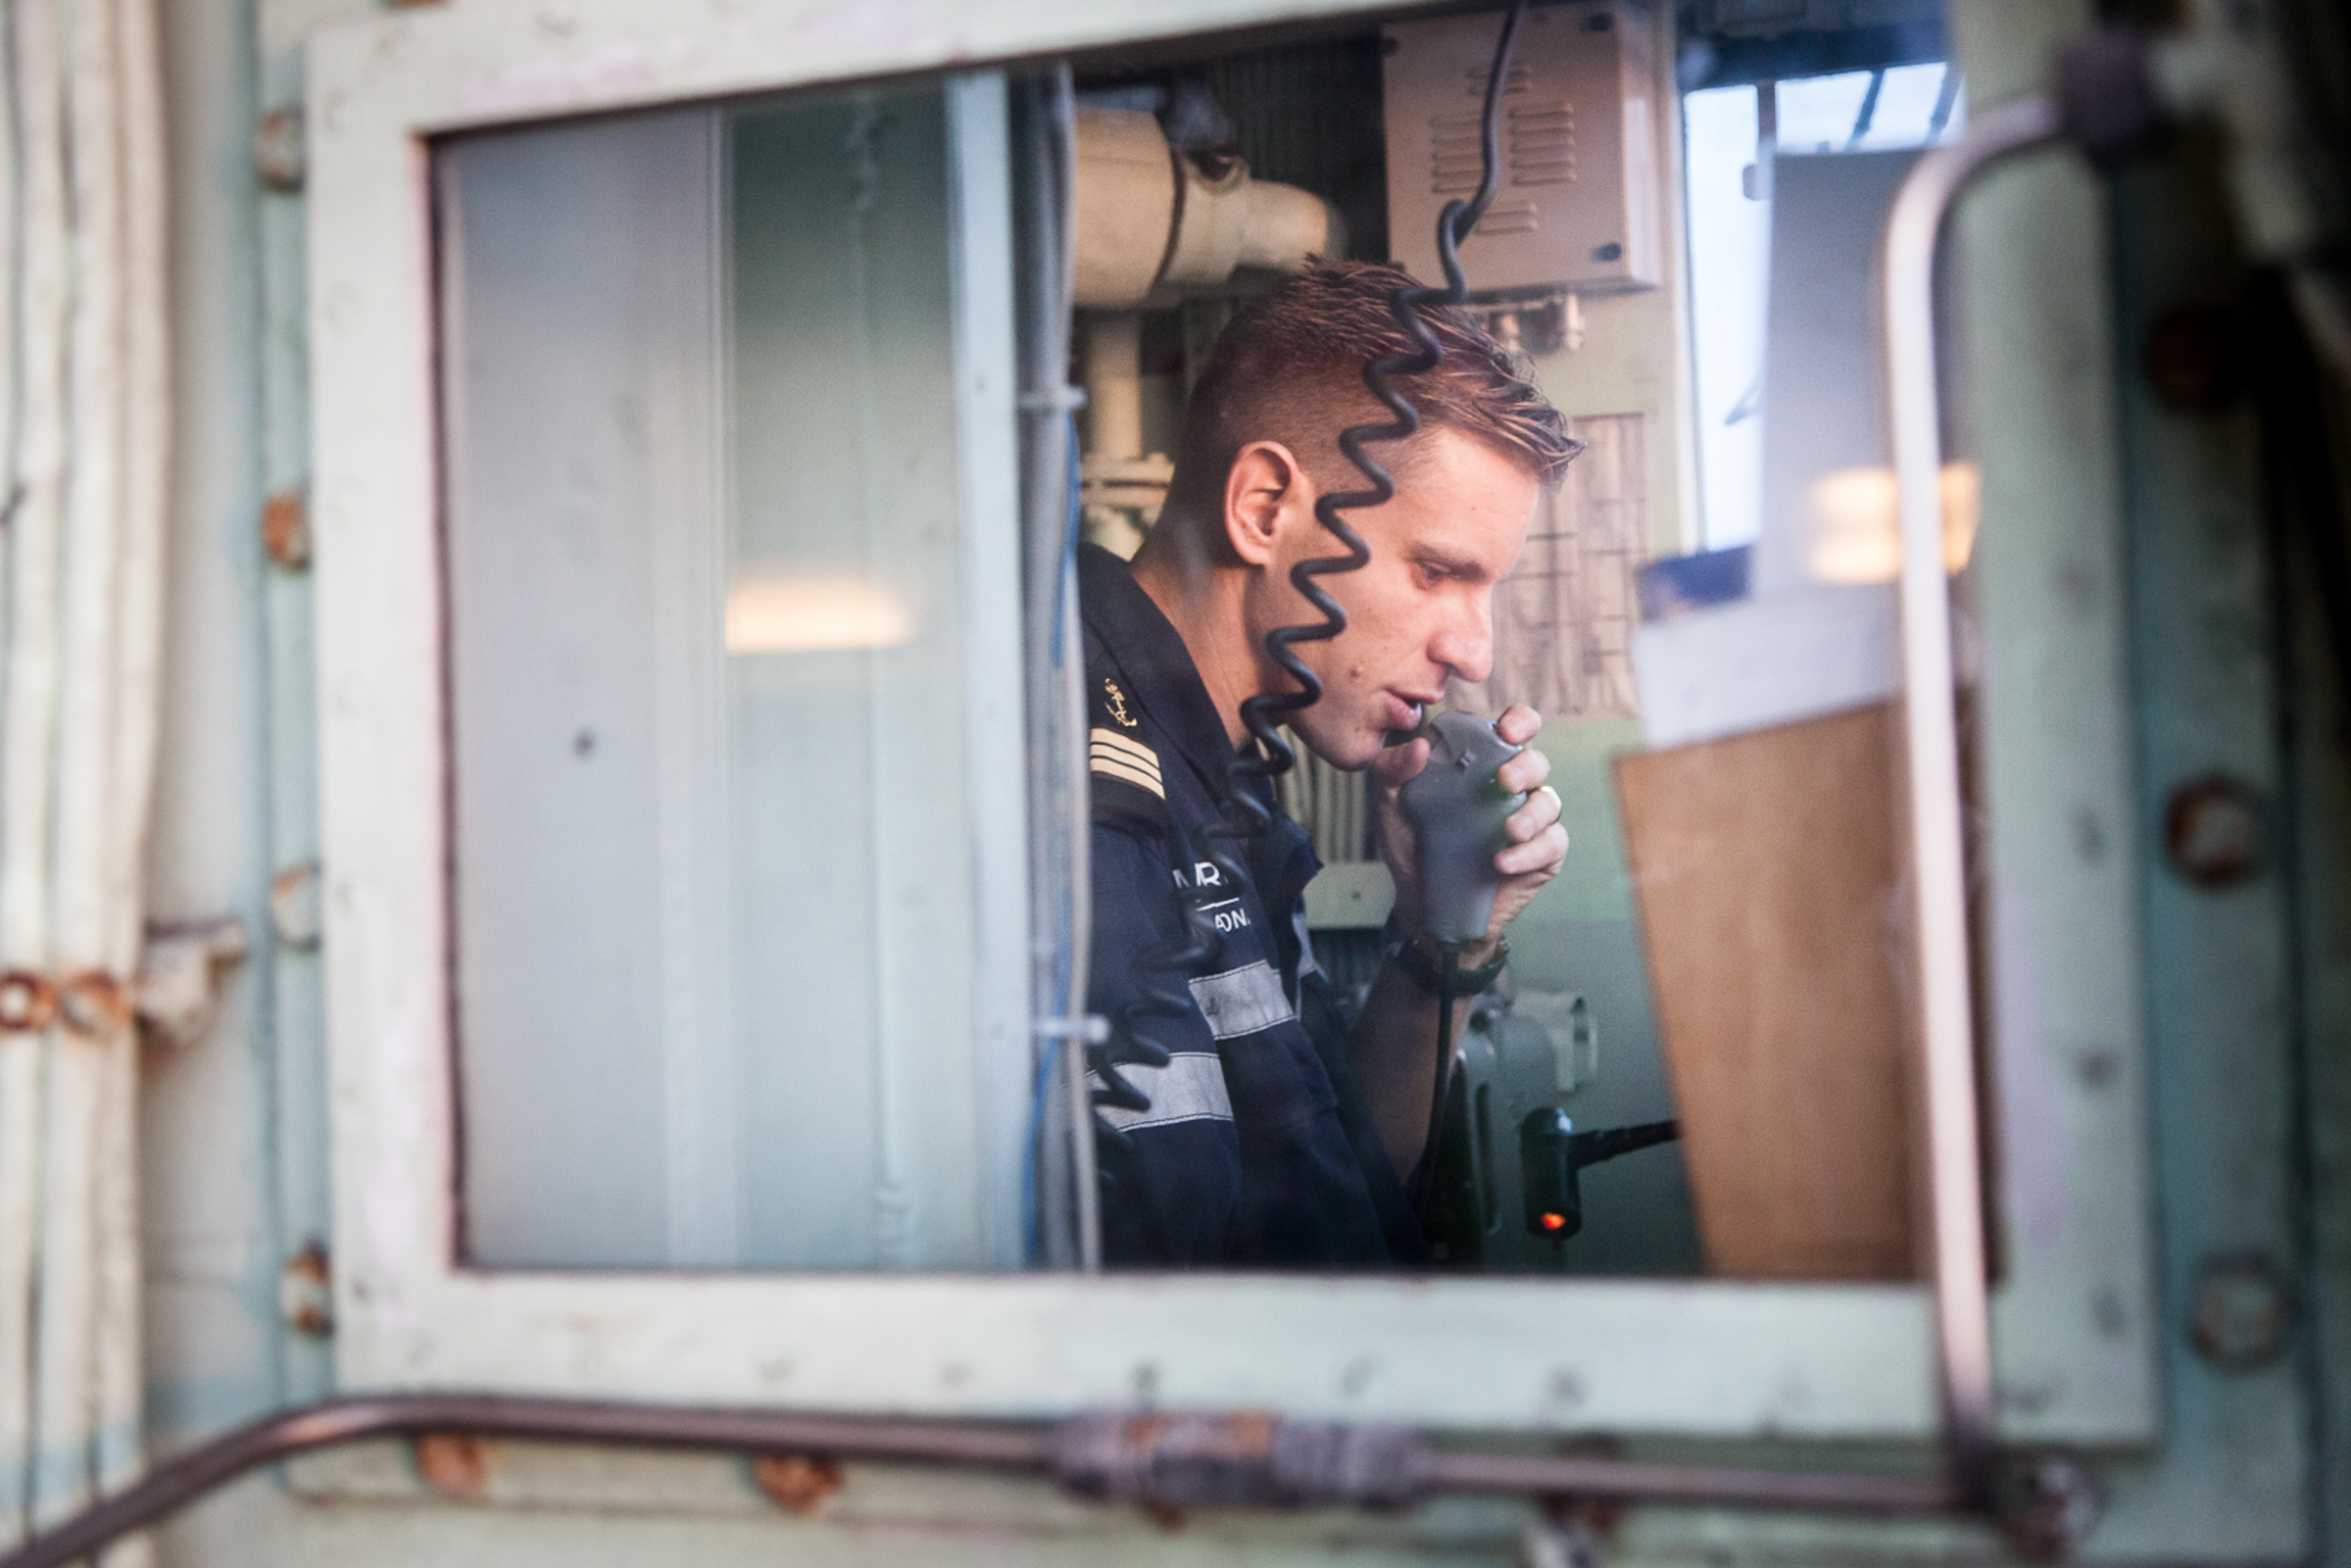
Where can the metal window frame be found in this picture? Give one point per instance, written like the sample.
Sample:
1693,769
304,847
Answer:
1698,1359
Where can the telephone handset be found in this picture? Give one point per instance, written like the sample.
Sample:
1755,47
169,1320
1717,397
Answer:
1457,806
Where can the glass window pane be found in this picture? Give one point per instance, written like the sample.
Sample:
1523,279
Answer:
707,682
1732,138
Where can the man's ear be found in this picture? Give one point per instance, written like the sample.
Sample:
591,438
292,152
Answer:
1264,482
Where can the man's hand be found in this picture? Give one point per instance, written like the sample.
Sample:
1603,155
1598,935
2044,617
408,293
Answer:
1394,1048
1538,842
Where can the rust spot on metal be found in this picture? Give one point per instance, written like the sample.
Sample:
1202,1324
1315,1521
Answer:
287,529
305,1291
796,1483
279,153
2213,831
93,1002
28,1002
294,912
1596,1521
453,1464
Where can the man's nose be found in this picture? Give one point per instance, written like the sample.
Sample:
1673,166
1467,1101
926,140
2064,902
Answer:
1464,643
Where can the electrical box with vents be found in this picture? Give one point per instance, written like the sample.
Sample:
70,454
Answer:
1578,207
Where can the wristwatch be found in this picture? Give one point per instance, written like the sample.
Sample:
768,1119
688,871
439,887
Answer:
1423,962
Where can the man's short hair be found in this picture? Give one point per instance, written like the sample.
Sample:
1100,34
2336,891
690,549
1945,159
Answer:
1288,367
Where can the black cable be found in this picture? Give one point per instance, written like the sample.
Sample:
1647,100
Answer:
1612,1143
1454,225
1247,808
1449,974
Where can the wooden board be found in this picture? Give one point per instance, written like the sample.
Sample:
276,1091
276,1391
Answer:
1766,870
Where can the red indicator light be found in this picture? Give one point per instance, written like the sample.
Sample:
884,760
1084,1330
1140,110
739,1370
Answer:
1554,1222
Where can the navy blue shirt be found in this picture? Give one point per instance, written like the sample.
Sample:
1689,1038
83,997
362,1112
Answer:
1256,1148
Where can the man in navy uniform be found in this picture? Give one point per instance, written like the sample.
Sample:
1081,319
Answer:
1278,1133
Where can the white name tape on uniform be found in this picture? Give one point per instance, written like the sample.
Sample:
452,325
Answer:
1243,1001
1189,1088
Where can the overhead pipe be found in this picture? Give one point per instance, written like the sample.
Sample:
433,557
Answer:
1153,223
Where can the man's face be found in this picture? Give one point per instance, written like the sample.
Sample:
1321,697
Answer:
1421,613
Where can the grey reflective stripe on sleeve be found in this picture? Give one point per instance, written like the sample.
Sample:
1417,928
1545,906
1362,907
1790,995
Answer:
1243,1001
1189,1088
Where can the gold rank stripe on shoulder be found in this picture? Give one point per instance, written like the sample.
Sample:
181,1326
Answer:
1116,756
1126,747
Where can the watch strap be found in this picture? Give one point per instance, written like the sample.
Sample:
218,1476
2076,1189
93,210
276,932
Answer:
1423,963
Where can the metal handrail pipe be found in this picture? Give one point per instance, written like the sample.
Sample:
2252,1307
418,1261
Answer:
1605,1480
285,1434
1931,745
1065,1450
